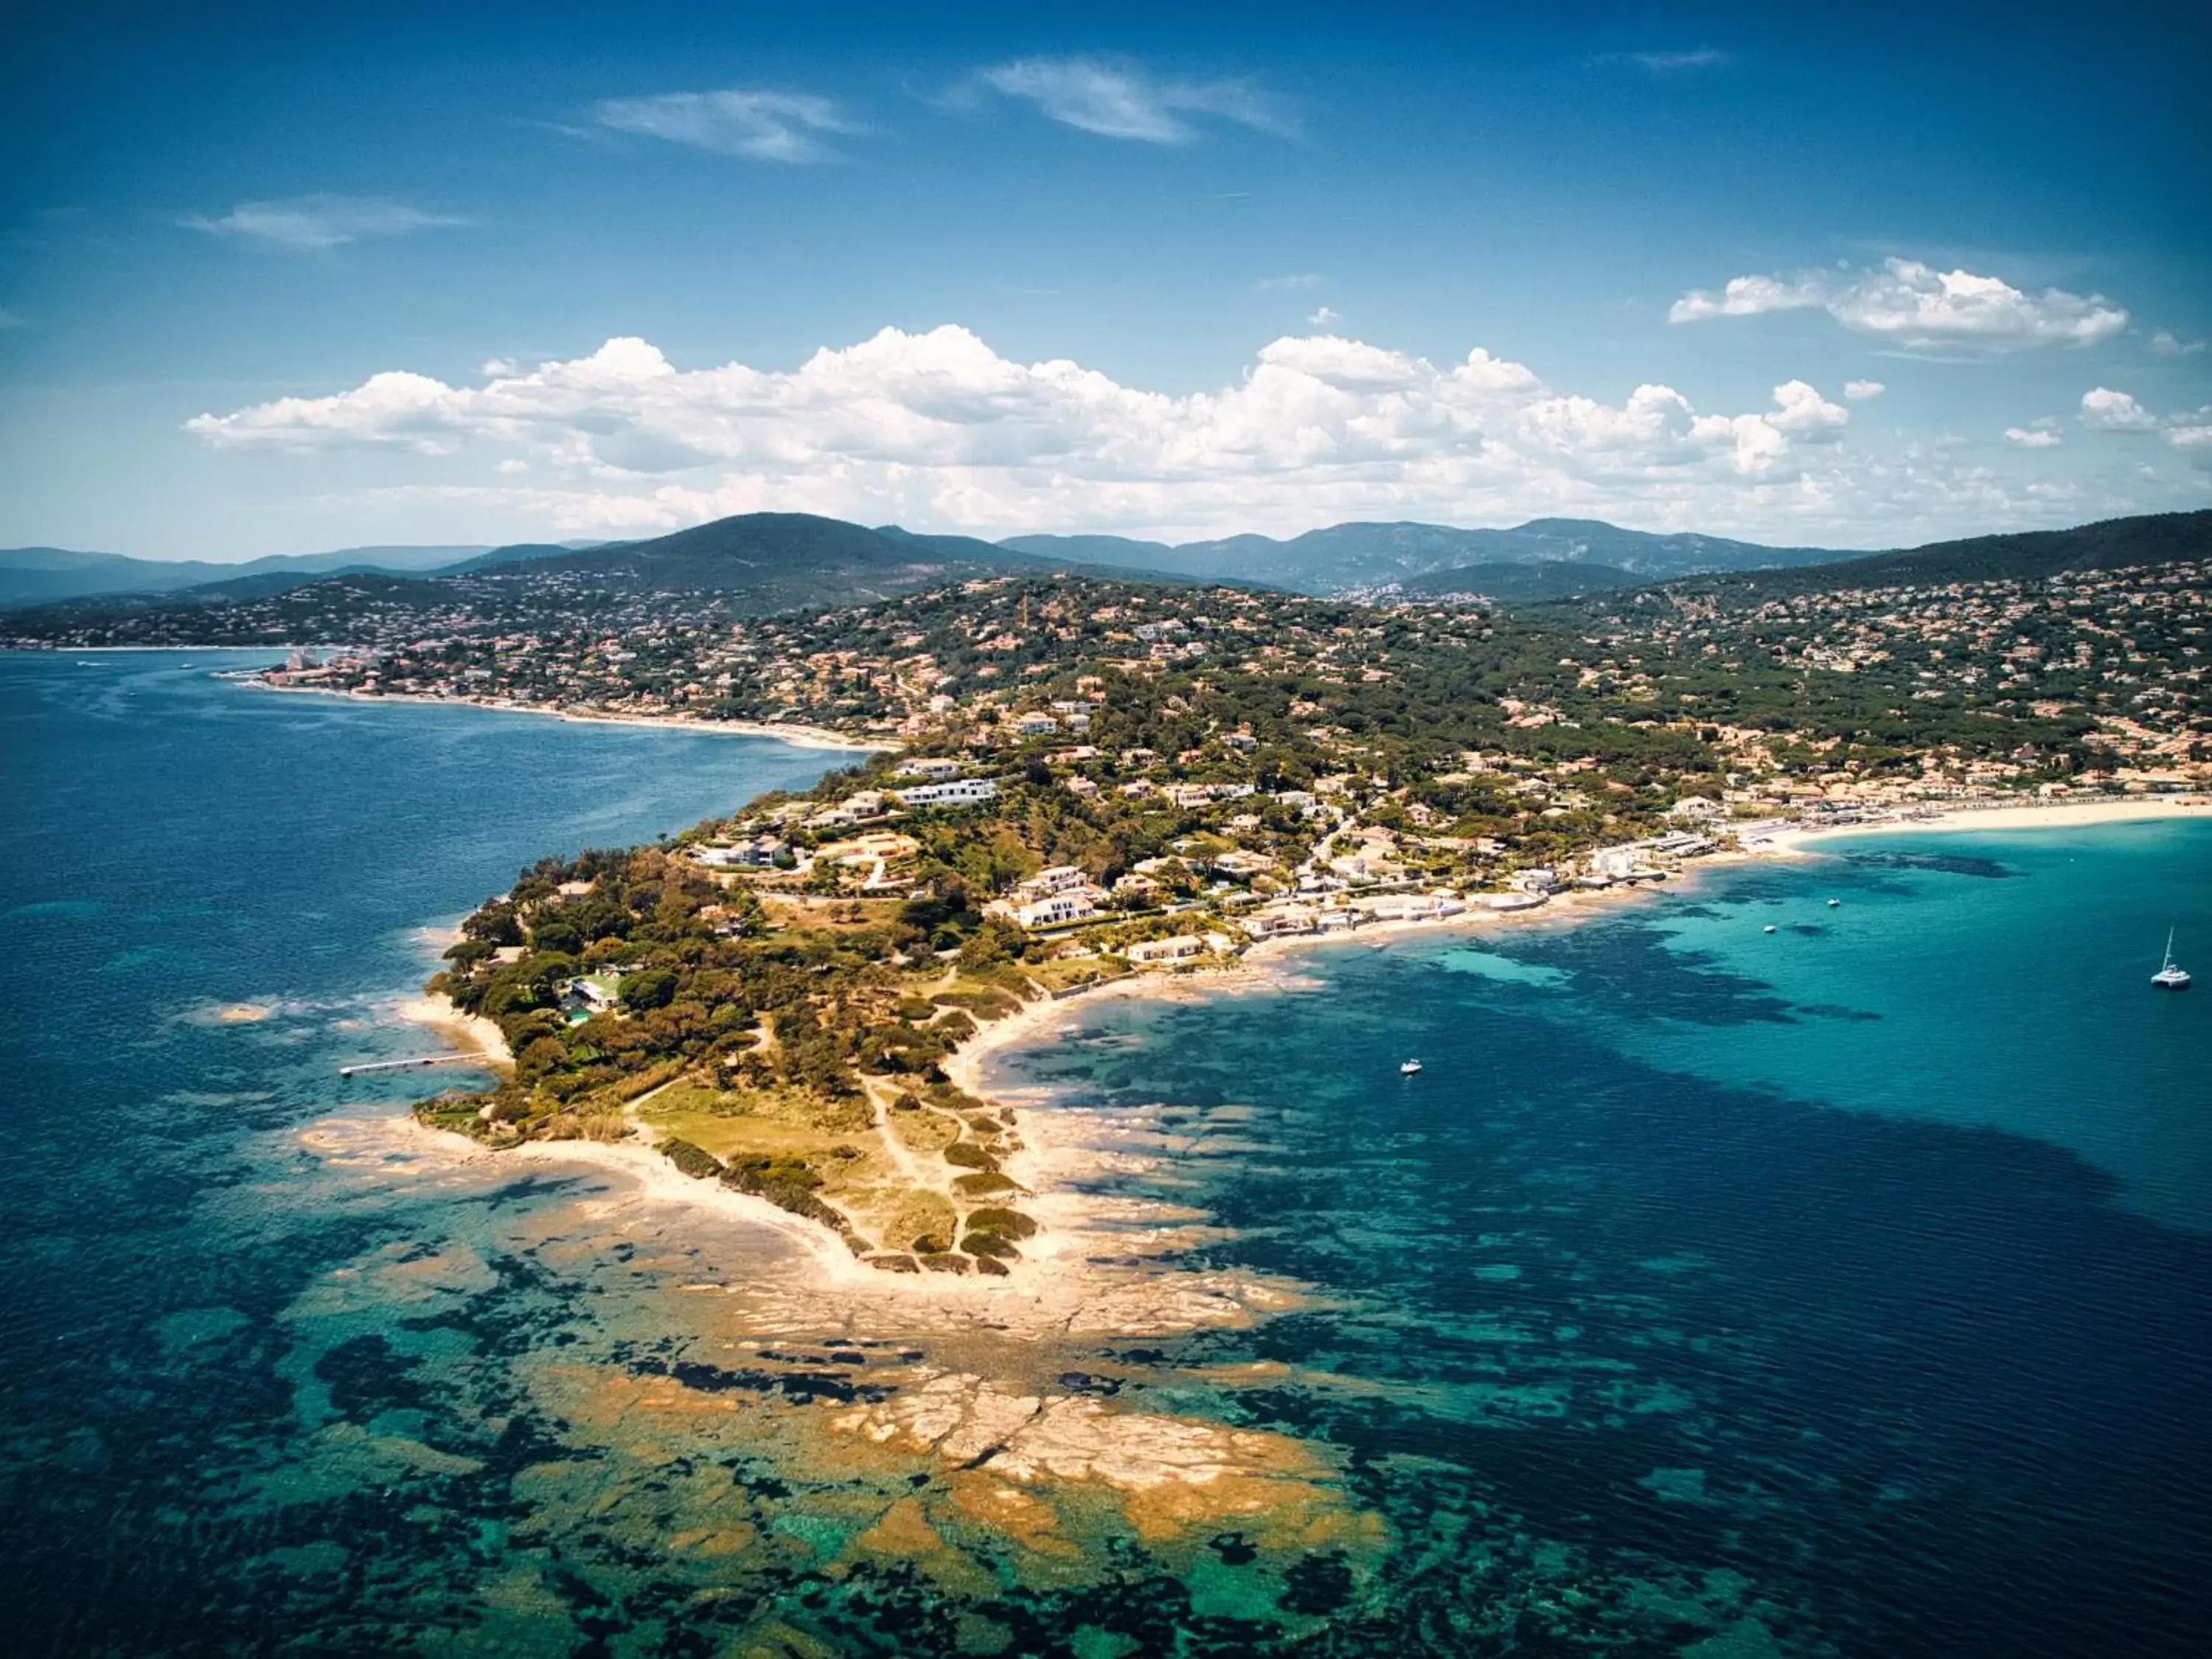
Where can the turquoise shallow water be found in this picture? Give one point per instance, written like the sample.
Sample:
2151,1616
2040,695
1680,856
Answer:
1992,980
1845,1288
1842,1290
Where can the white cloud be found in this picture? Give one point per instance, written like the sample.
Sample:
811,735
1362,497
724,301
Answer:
1860,391
2038,437
1297,279
764,125
1324,317
936,428
2167,343
2107,410
1120,99
1745,296
1803,414
312,223
1918,308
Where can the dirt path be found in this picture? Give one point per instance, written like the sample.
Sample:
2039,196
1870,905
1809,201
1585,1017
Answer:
896,1150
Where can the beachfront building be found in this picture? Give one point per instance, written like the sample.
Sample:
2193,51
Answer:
1183,947
1514,901
1279,922
1615,863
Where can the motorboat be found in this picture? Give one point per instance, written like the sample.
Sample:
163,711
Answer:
1409,1067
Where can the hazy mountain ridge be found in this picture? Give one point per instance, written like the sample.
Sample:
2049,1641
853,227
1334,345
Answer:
41,575
1365,556
47,575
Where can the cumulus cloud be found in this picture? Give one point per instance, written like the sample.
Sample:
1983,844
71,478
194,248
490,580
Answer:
2103,409
1324,317
309,224
1120,100
1918,308
2042,434
760,124
2167,343
2107,410
1746,296
1860,391
935,427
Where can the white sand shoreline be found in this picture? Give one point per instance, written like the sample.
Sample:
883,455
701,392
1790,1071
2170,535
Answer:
471,1031
797,735
1982,818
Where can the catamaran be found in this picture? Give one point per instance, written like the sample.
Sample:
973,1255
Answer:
2170,974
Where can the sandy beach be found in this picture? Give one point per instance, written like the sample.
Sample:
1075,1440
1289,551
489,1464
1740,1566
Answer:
470,1031
1981,819
798,735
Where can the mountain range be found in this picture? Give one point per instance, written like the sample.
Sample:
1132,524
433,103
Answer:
788,560
1339,559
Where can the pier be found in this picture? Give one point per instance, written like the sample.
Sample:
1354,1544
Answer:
456,1059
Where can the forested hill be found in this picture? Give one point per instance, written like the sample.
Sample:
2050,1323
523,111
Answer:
754,565
794,557
2028,556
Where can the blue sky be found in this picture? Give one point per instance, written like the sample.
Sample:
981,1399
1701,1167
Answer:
278,278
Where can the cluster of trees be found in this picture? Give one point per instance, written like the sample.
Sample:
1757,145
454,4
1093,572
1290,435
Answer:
703,979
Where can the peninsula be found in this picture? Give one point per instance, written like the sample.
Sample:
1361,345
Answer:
1081,780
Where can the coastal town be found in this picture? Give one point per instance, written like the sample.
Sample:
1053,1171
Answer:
1062,783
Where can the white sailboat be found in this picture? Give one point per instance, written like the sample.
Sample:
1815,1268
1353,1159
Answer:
1409,1068
2170,974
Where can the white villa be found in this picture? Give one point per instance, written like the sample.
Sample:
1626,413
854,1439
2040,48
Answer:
958,792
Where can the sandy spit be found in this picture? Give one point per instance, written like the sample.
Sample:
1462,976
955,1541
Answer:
794,734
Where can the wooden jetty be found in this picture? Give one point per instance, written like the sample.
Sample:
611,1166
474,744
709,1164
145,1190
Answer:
456,1059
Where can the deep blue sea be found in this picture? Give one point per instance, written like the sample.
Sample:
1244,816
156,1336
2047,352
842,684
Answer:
1844,1290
